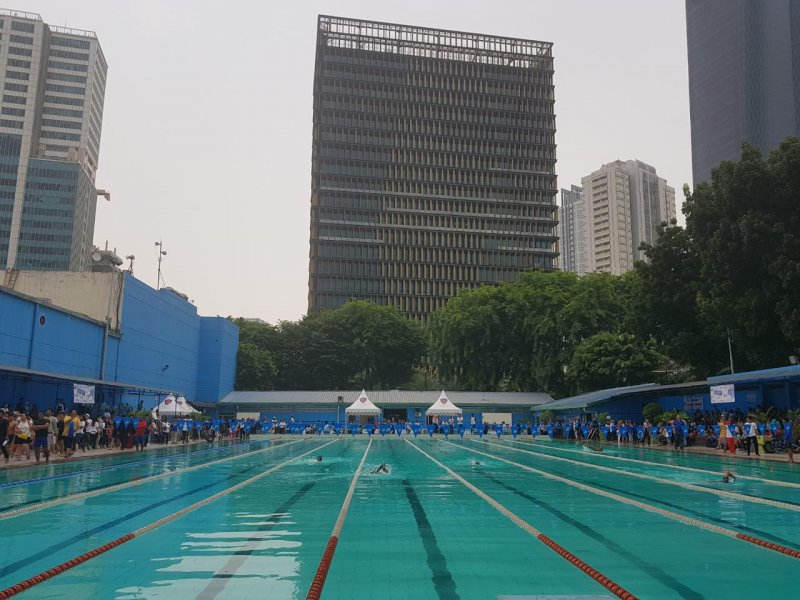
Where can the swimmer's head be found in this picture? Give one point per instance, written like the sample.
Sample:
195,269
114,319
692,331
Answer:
319,459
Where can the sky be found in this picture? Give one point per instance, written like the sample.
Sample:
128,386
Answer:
206,141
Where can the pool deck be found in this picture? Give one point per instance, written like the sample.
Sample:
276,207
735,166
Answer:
103,452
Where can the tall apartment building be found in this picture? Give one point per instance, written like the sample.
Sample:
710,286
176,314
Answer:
623,204
744,77
51,118
572,227
433,163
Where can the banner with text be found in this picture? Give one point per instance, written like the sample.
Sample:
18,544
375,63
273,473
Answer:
82,394
722,394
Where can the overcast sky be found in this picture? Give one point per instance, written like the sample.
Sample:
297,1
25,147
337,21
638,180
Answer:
207,129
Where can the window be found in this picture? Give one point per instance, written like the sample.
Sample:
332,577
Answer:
20,51
26,27
10,123
60,123
22,39
13,112
17,75
16,87
58,135
13,99
57,64
69,42
64,100
22,64
70,55
66,89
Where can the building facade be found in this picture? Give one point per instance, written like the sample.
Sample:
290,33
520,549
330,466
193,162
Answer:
744,77
433,163
572,228
51,118
623,204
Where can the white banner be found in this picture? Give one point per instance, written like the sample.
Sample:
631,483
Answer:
82,394
722,394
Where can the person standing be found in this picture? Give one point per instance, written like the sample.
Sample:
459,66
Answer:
678,437
40,427
141,435
751,434
4,433
788,437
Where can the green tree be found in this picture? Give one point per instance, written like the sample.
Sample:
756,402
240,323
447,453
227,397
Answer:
745,228
255,369
608,360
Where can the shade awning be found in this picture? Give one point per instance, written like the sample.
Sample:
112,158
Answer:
172,406
362,406
443,407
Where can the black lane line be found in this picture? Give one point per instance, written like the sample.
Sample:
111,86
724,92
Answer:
100,487
651,569
440,575
50,550
237,558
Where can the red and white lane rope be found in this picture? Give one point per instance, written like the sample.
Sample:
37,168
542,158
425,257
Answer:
775,482
128,484
648,507
607,583
686,486
65,566
315,591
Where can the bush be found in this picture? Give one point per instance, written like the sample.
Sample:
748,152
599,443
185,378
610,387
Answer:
652,412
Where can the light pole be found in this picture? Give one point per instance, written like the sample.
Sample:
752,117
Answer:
131,258
161,254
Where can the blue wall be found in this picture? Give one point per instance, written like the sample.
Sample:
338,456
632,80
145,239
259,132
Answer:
158,328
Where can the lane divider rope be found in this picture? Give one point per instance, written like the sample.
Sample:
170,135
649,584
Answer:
65,566
687,486
648,507
315,591
128,484
607,583
657,464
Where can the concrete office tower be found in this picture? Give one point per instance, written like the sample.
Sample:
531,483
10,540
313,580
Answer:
433,163
744,77
54,82
572,224
624,202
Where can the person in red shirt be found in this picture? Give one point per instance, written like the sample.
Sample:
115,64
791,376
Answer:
141,435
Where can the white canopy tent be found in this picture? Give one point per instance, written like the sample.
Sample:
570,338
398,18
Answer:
443,407
363,406
174,407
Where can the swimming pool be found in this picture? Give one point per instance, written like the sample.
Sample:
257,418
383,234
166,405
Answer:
472,518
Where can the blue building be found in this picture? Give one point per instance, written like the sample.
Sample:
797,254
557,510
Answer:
778,388
132,343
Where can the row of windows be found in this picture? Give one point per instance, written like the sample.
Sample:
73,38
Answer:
13,99
69,42
403,93
15,87
16,62
66,77
20,51
59,135
541,147
21,26
11,124
44,237
69,55
56,64
64,100
429,204
63,112
461,69
61,123
17,75
7,181
64,89
22,39
416,188
32,225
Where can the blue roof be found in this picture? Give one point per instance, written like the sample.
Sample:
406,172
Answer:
590,398
779,373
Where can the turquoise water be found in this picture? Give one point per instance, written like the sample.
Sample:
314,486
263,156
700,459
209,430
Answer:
416,532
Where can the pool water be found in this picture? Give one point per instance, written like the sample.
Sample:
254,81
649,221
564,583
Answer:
417,532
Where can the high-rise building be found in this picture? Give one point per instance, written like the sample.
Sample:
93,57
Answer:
744,77
433,163
51,116
572,227
623,204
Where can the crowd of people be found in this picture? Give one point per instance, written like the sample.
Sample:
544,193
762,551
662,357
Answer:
45,434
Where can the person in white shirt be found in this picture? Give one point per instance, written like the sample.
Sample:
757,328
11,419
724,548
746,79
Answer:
751,434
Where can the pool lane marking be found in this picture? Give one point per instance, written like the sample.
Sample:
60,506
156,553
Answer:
133,463
82,558
607,583
658,464
128,484
315,591
687,486
648,507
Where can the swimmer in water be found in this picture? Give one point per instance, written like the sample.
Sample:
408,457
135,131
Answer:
382,469
319,459
728,477
476,462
